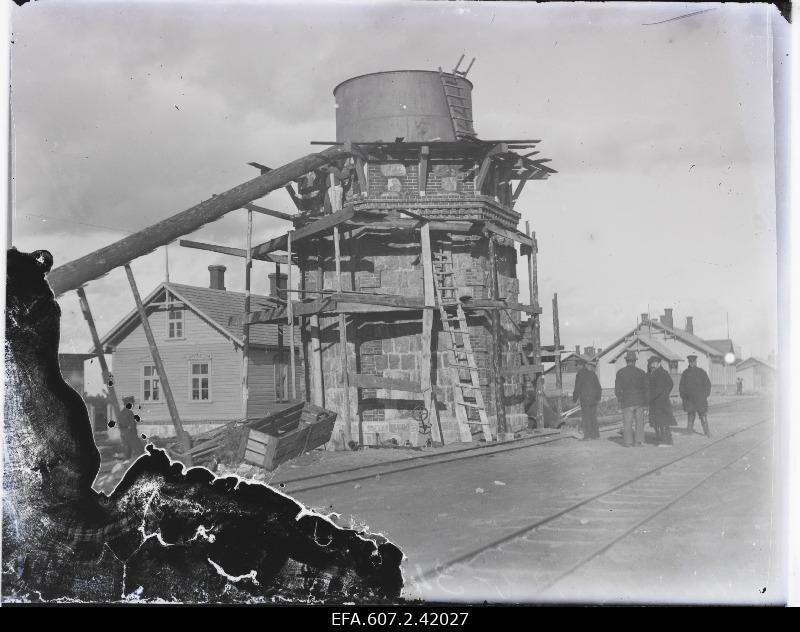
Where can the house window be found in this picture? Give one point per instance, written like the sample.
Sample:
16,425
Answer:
201,382
151,384
281,379
174,322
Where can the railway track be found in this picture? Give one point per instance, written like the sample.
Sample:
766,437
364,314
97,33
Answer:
365,472
531,563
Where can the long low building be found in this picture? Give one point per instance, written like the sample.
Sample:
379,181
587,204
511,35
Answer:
660,337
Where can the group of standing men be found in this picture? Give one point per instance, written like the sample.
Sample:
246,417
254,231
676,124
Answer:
636,391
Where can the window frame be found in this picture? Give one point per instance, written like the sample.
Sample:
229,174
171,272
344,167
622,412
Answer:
192,375
169,299
144,377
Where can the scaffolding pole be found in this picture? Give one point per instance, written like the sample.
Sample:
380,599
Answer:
557,354
98,350
497,346
245,326
536,348
290,315
182,435
347,435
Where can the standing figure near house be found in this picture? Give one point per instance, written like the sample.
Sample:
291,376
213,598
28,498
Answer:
588,391
661,417
630,388
694,388
132,444
739,384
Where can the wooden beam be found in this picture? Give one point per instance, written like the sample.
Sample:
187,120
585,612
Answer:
557,344
325,223
290,317
347,435
268,211
500,148
536,342
361,380
181,434
234,252
361,173
424,153
84,269
316,347
289,188
248,265
497,345
98,351
520,186
427,334
509,234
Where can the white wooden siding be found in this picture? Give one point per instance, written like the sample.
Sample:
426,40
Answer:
226,376
195,331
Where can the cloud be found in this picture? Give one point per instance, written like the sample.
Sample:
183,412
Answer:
128,113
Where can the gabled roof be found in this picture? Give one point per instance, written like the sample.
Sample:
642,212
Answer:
682,335
723,346
752,361
650,343
215,307
581,358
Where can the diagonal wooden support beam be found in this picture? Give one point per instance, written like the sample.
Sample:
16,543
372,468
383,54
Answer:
181,434
289,188
325,223
98,351
268,211
480,179
94,265
234,252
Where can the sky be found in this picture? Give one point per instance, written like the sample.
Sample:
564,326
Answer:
661,130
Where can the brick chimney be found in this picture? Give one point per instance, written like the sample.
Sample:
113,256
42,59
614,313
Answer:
217,281
666,319
577,349
277,282
599,350
689,324
589,351
645,318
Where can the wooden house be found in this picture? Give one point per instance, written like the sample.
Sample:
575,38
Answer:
660,337
203,358
756,375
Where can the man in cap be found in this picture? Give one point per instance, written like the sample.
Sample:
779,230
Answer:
694,388
630,388
132,444
588,391
660,387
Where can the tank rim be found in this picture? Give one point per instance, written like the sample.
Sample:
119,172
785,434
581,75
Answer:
388,72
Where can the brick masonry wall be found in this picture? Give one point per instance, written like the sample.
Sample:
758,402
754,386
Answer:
390,344
401,178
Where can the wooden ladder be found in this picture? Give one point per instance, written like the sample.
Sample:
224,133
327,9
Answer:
468,395
458,104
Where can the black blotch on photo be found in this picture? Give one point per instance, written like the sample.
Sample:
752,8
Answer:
65,530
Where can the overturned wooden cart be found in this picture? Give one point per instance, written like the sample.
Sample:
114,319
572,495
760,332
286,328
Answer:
266,442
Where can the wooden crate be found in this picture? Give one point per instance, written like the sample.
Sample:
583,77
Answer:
286,434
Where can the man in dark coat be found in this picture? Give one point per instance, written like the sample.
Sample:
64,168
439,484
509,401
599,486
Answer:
661,417
694,388
588,391
132,445
630,388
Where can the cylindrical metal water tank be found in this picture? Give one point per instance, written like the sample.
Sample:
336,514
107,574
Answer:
408,104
